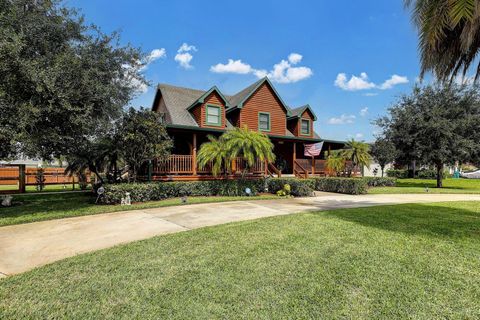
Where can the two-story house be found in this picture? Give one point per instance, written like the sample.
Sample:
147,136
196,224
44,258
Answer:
190,115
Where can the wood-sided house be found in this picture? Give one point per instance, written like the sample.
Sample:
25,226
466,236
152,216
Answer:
191,115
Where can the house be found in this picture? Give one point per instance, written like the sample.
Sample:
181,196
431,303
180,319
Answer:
190,115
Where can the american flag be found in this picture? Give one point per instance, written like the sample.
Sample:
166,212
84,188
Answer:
312,150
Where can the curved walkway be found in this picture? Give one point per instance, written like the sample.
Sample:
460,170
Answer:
26,246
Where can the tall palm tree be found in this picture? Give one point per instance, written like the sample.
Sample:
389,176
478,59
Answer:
449,35
215,153
358,153
251,145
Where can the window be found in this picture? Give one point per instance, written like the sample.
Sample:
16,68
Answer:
214,115
264,121
305,129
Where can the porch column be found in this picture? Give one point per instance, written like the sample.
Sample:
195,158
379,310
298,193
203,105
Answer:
194,154
21,178
313,165
294,152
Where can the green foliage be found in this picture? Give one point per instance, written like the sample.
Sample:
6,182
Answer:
213,153
358,153
380,181
62,81
341,185
298,187
239,142
448,36
285,192
335,162
142,137
397,173
141,192
384,152
435,125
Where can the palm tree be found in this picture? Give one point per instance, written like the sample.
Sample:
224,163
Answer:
215,153
250,145
335,162
358,153
449,35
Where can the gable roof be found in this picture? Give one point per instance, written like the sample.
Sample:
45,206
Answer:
237,100
201,99
297,112
177,100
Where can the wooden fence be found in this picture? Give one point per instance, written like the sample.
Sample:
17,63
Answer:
21,176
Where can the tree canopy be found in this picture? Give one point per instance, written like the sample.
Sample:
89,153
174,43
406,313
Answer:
61,80
435,124
449,35
384,152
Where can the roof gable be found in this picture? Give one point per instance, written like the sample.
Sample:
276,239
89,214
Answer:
237,100
297,112
202,98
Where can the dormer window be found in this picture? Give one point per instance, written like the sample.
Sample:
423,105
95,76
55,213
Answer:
214,115
264,121
305,127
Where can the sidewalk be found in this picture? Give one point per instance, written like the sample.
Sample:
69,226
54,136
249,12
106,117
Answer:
26,246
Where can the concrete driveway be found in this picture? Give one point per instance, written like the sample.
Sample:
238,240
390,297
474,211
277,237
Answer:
26,246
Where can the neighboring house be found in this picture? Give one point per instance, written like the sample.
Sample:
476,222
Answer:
191,115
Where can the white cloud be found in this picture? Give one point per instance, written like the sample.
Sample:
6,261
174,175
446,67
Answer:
156,54
233,66
355,83
394,80
364,111
282,72
359,135
343,119
295,58
362,82
184,57
370,94
461,80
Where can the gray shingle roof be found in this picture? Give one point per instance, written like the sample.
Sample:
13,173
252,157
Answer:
178,99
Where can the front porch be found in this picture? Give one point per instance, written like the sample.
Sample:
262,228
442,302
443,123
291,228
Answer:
290,161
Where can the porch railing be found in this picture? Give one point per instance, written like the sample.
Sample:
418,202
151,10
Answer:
184,164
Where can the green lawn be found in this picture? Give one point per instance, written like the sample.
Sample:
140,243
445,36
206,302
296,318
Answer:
418,186
31,207
395,262
47,188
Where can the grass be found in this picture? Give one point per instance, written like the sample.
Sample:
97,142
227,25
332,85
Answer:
32,208
47,188
416,261
471,186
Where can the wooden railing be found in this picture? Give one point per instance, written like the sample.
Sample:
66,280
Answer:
258,166
299,171
273,170
174,164
318,167
184,164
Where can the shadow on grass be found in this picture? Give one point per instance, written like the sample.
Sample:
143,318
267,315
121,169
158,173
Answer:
418,219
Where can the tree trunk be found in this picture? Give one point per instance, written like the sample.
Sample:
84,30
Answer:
439,175
382,167
414,167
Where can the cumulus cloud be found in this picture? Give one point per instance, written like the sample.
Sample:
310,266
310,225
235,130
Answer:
364,111
355,83
157,54
362,82
233,66
283,72
343,119
394,80
295,58
184,56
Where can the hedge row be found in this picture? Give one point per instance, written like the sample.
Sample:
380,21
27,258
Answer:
380,181
151,191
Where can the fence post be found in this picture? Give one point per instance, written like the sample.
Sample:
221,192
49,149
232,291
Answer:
21,178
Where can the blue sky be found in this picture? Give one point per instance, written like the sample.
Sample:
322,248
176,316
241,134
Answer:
322,45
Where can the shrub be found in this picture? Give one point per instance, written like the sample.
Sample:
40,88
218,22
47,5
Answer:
397,173
298,187
150,191
380,182
341,185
